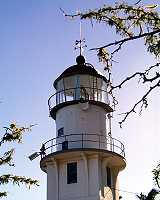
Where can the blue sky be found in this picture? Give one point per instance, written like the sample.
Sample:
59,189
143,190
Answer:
36,45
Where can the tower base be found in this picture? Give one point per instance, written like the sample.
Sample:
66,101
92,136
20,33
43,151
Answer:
96,177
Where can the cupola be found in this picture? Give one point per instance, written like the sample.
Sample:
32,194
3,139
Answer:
79,83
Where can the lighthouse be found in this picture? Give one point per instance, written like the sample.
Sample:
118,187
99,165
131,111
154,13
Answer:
83,160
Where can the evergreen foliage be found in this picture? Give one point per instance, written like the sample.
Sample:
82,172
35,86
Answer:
13,133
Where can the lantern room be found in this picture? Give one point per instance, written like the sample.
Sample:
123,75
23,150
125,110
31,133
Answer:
79,83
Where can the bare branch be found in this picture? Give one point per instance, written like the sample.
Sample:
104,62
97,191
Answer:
141,74
128,39
141,100
68,15
116,50
137,2
125,80
151,67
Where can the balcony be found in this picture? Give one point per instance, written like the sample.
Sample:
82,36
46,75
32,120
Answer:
82,141
79,94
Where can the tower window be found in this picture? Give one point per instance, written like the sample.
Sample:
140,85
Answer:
60,132
71,173
108,176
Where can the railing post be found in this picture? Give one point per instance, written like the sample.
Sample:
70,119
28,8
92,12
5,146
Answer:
82,140
110,143
42,151
51,145
121,149
56,98
99,142
113,144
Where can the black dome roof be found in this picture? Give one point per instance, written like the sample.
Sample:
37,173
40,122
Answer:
80,68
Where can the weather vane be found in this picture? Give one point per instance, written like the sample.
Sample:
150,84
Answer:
80,44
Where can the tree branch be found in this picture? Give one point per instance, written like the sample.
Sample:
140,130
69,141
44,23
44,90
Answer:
7,158
3,194
141,74
128,39
156,175
137,2
5,179
14,133
141,100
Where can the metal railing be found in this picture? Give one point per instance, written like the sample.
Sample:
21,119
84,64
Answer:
82,141
78,93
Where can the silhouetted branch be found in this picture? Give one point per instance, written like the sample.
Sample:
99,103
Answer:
128,39
125,80
137,2
69,15
3,194
7,158
140,101
116,50
141,74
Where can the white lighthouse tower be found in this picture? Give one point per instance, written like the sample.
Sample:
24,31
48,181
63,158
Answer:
83,161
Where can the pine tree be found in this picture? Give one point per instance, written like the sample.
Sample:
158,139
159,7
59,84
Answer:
13,133
155,191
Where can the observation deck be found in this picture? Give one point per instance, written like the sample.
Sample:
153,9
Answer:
82,141
78,95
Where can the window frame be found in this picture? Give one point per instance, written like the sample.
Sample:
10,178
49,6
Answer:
109,177
71,175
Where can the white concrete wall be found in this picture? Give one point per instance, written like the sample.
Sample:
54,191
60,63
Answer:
94,184
52,182
74,190
91,180
82,118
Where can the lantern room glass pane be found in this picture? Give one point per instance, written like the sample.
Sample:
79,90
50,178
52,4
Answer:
82,86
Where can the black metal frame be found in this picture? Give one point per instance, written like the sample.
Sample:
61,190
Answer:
104,143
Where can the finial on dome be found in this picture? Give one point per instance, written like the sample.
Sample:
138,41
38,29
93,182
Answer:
80,60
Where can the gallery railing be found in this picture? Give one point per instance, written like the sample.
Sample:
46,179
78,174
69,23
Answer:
82,141
78,93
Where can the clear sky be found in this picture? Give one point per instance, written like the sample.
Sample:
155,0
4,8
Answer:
36,45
